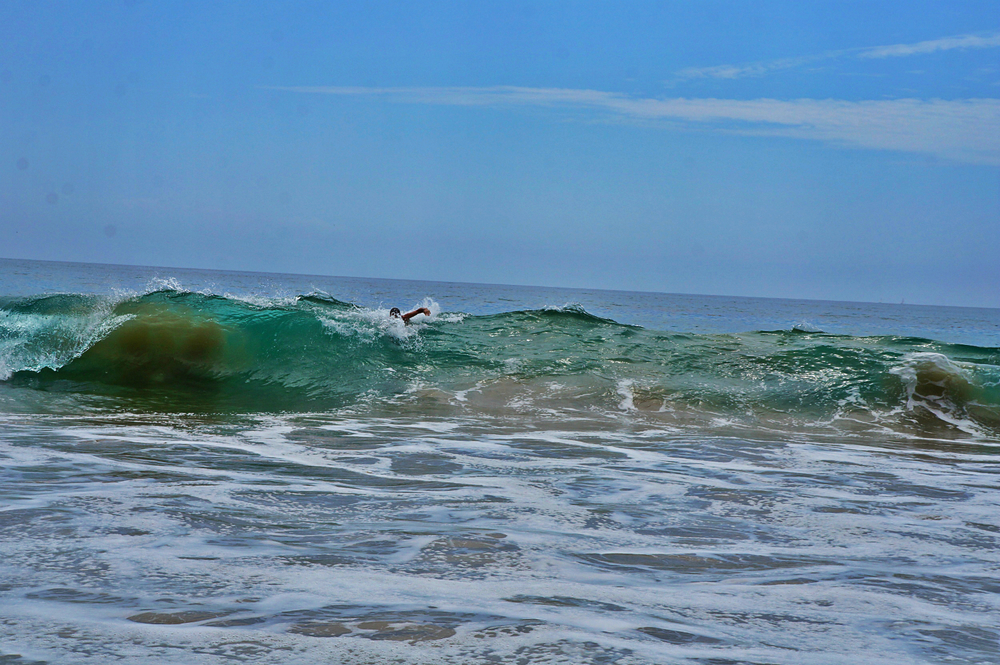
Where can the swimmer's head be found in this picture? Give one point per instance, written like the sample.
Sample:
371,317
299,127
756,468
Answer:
394,312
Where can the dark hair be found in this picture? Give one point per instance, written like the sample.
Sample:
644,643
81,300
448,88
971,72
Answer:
394,311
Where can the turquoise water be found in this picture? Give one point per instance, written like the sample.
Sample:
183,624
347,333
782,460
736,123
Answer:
208,467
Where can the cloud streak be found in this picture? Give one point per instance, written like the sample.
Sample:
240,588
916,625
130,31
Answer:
750,69
875,52
943,44
962,130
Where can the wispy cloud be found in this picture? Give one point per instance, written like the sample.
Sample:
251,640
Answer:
750,69
963,130
930,46
891,51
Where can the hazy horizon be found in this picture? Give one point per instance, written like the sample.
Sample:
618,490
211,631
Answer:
499,284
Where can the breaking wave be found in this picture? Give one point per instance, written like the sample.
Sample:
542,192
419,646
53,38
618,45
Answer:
176,350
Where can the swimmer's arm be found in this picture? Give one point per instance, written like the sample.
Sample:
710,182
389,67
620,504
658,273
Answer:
419,310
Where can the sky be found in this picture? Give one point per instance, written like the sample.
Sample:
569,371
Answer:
823,150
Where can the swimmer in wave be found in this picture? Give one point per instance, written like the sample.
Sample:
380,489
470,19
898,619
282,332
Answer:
394,313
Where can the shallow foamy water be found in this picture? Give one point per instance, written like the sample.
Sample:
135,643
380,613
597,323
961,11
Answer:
322,536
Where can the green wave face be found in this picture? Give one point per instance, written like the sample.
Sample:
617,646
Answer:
188,350
172,350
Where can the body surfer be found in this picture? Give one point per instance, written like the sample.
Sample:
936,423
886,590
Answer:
394,313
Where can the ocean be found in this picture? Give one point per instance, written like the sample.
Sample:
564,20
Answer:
221,467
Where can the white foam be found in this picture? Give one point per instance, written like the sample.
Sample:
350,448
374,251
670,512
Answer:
63,337
512,365
805,326
614,514
164,284
624,388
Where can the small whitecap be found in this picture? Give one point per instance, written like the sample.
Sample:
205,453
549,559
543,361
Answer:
807,327
624,388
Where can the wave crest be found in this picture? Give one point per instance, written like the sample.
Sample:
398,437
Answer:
188,350
944,389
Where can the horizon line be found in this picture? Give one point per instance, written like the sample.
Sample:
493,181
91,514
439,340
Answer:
529,286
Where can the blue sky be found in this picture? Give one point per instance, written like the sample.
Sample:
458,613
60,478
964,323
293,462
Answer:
845,151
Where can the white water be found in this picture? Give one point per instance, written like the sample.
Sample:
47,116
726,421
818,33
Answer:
473,539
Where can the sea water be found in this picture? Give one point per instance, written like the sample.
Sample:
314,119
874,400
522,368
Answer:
209,467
